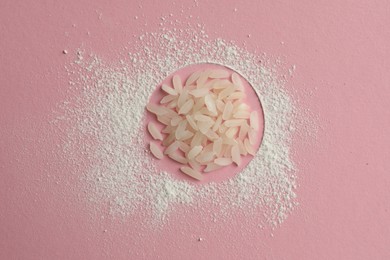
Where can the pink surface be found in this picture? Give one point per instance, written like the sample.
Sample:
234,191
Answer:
252,99
342,53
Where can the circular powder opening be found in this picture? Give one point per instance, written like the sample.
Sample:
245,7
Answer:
252,100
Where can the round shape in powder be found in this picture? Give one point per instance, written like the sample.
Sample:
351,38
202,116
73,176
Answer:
207,120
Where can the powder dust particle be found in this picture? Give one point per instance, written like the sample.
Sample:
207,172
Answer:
102,118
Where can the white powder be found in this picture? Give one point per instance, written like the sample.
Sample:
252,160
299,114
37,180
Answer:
102,120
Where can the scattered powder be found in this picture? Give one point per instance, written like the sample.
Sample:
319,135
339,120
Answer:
102,118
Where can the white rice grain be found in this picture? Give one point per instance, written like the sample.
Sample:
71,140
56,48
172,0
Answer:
194,152
186,107
223,161
192,173
169,90
156,150
177,84
154,132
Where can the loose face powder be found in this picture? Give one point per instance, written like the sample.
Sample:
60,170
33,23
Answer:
105,125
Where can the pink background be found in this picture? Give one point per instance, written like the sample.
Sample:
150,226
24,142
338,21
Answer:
342,53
